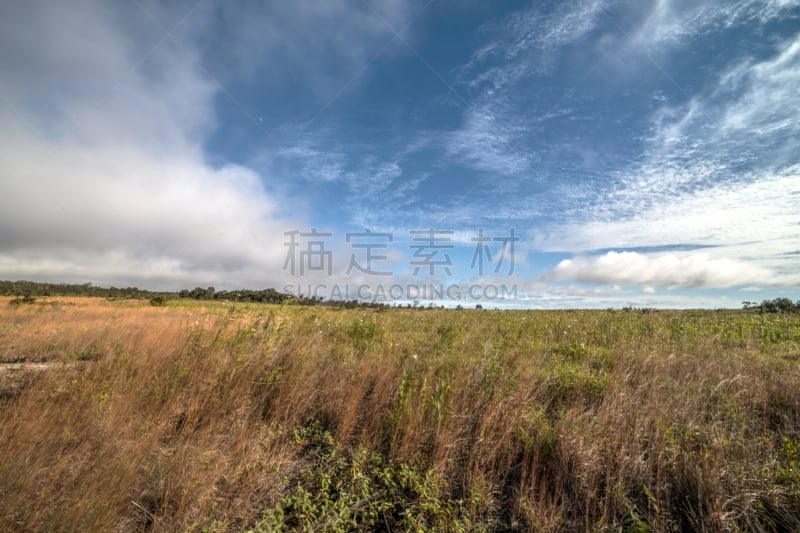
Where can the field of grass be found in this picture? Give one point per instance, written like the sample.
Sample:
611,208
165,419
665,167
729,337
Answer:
220,417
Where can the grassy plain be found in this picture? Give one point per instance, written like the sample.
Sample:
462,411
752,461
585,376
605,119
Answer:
205,416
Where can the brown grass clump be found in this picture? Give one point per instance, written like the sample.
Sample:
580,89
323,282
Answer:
215,417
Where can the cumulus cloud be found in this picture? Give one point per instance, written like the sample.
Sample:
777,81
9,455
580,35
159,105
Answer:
671,270
102,165
105,112
62,199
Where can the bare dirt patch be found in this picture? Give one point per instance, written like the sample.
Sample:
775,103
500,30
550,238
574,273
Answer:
15,376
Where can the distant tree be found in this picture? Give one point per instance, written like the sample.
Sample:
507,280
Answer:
198,293
779,305
27,299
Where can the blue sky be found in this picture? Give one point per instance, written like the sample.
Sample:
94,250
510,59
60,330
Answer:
643,152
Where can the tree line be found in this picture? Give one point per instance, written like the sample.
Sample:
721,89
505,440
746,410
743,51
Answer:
776,305
27,291
32,289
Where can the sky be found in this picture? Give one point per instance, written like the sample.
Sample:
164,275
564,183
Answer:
582,154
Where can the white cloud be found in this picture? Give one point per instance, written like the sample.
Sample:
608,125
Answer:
750,116
533,29
77,76
487,140
102,165
764,212
769,108
675,21
103,120
549,295
720,171
61,199
524,42
315,165
318,160
569,24
671,270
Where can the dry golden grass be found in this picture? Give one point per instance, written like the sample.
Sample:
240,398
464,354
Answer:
185,417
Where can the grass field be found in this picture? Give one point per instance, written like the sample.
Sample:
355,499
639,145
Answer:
202,416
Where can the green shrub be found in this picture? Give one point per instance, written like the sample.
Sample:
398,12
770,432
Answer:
344,490
361,332
27,299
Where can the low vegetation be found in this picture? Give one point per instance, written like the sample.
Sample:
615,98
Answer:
25,290
776,305
212,416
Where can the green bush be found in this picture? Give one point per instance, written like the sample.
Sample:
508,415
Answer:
27,299
343,490
158,300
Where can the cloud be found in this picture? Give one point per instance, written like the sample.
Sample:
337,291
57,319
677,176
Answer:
767,112
59,199
749,118
314,45
669,270
720,170
520,46
527,32
72,75
672,22
315,165
763,212
104,177
487,139
105,112
318,160
569,24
